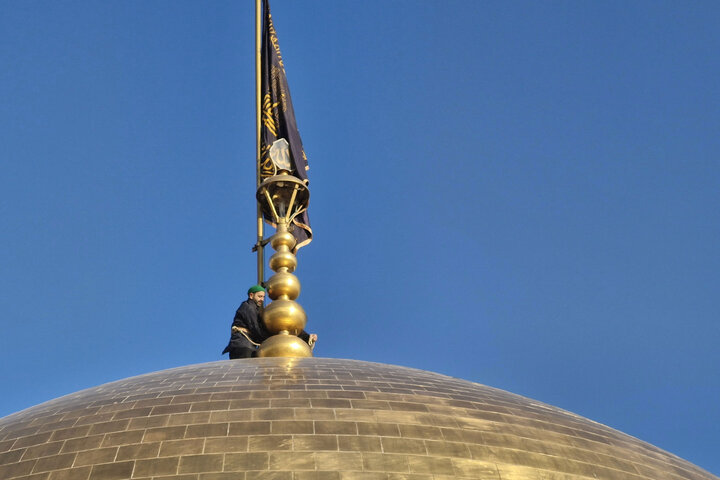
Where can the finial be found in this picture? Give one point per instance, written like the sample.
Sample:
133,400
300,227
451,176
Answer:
283,197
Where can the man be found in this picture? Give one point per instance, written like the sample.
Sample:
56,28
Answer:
248,330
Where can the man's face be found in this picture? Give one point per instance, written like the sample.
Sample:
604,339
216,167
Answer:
258,298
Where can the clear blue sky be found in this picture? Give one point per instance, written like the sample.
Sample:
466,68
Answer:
521,194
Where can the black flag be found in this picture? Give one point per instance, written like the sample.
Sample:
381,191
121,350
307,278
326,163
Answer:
278,119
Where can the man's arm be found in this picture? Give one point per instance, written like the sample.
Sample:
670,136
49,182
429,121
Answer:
307,336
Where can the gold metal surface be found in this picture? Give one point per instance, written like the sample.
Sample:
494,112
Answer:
283,314
316,419
282,197
285,345
283,285
270,204
283,238
285,260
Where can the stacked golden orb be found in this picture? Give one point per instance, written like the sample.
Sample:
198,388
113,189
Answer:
283,197
284,317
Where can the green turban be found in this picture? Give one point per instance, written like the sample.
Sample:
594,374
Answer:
255,289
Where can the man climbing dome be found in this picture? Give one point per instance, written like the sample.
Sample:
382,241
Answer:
248,330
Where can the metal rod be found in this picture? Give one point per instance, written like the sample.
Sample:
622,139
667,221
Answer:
272,205
291,204
258,86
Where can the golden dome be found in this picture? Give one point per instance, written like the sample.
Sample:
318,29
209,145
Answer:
315,419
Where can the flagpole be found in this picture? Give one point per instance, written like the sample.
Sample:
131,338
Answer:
282,195
260,226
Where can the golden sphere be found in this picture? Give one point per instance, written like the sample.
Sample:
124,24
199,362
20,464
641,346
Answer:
284,315
283,260
283,238
284,345
283,283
